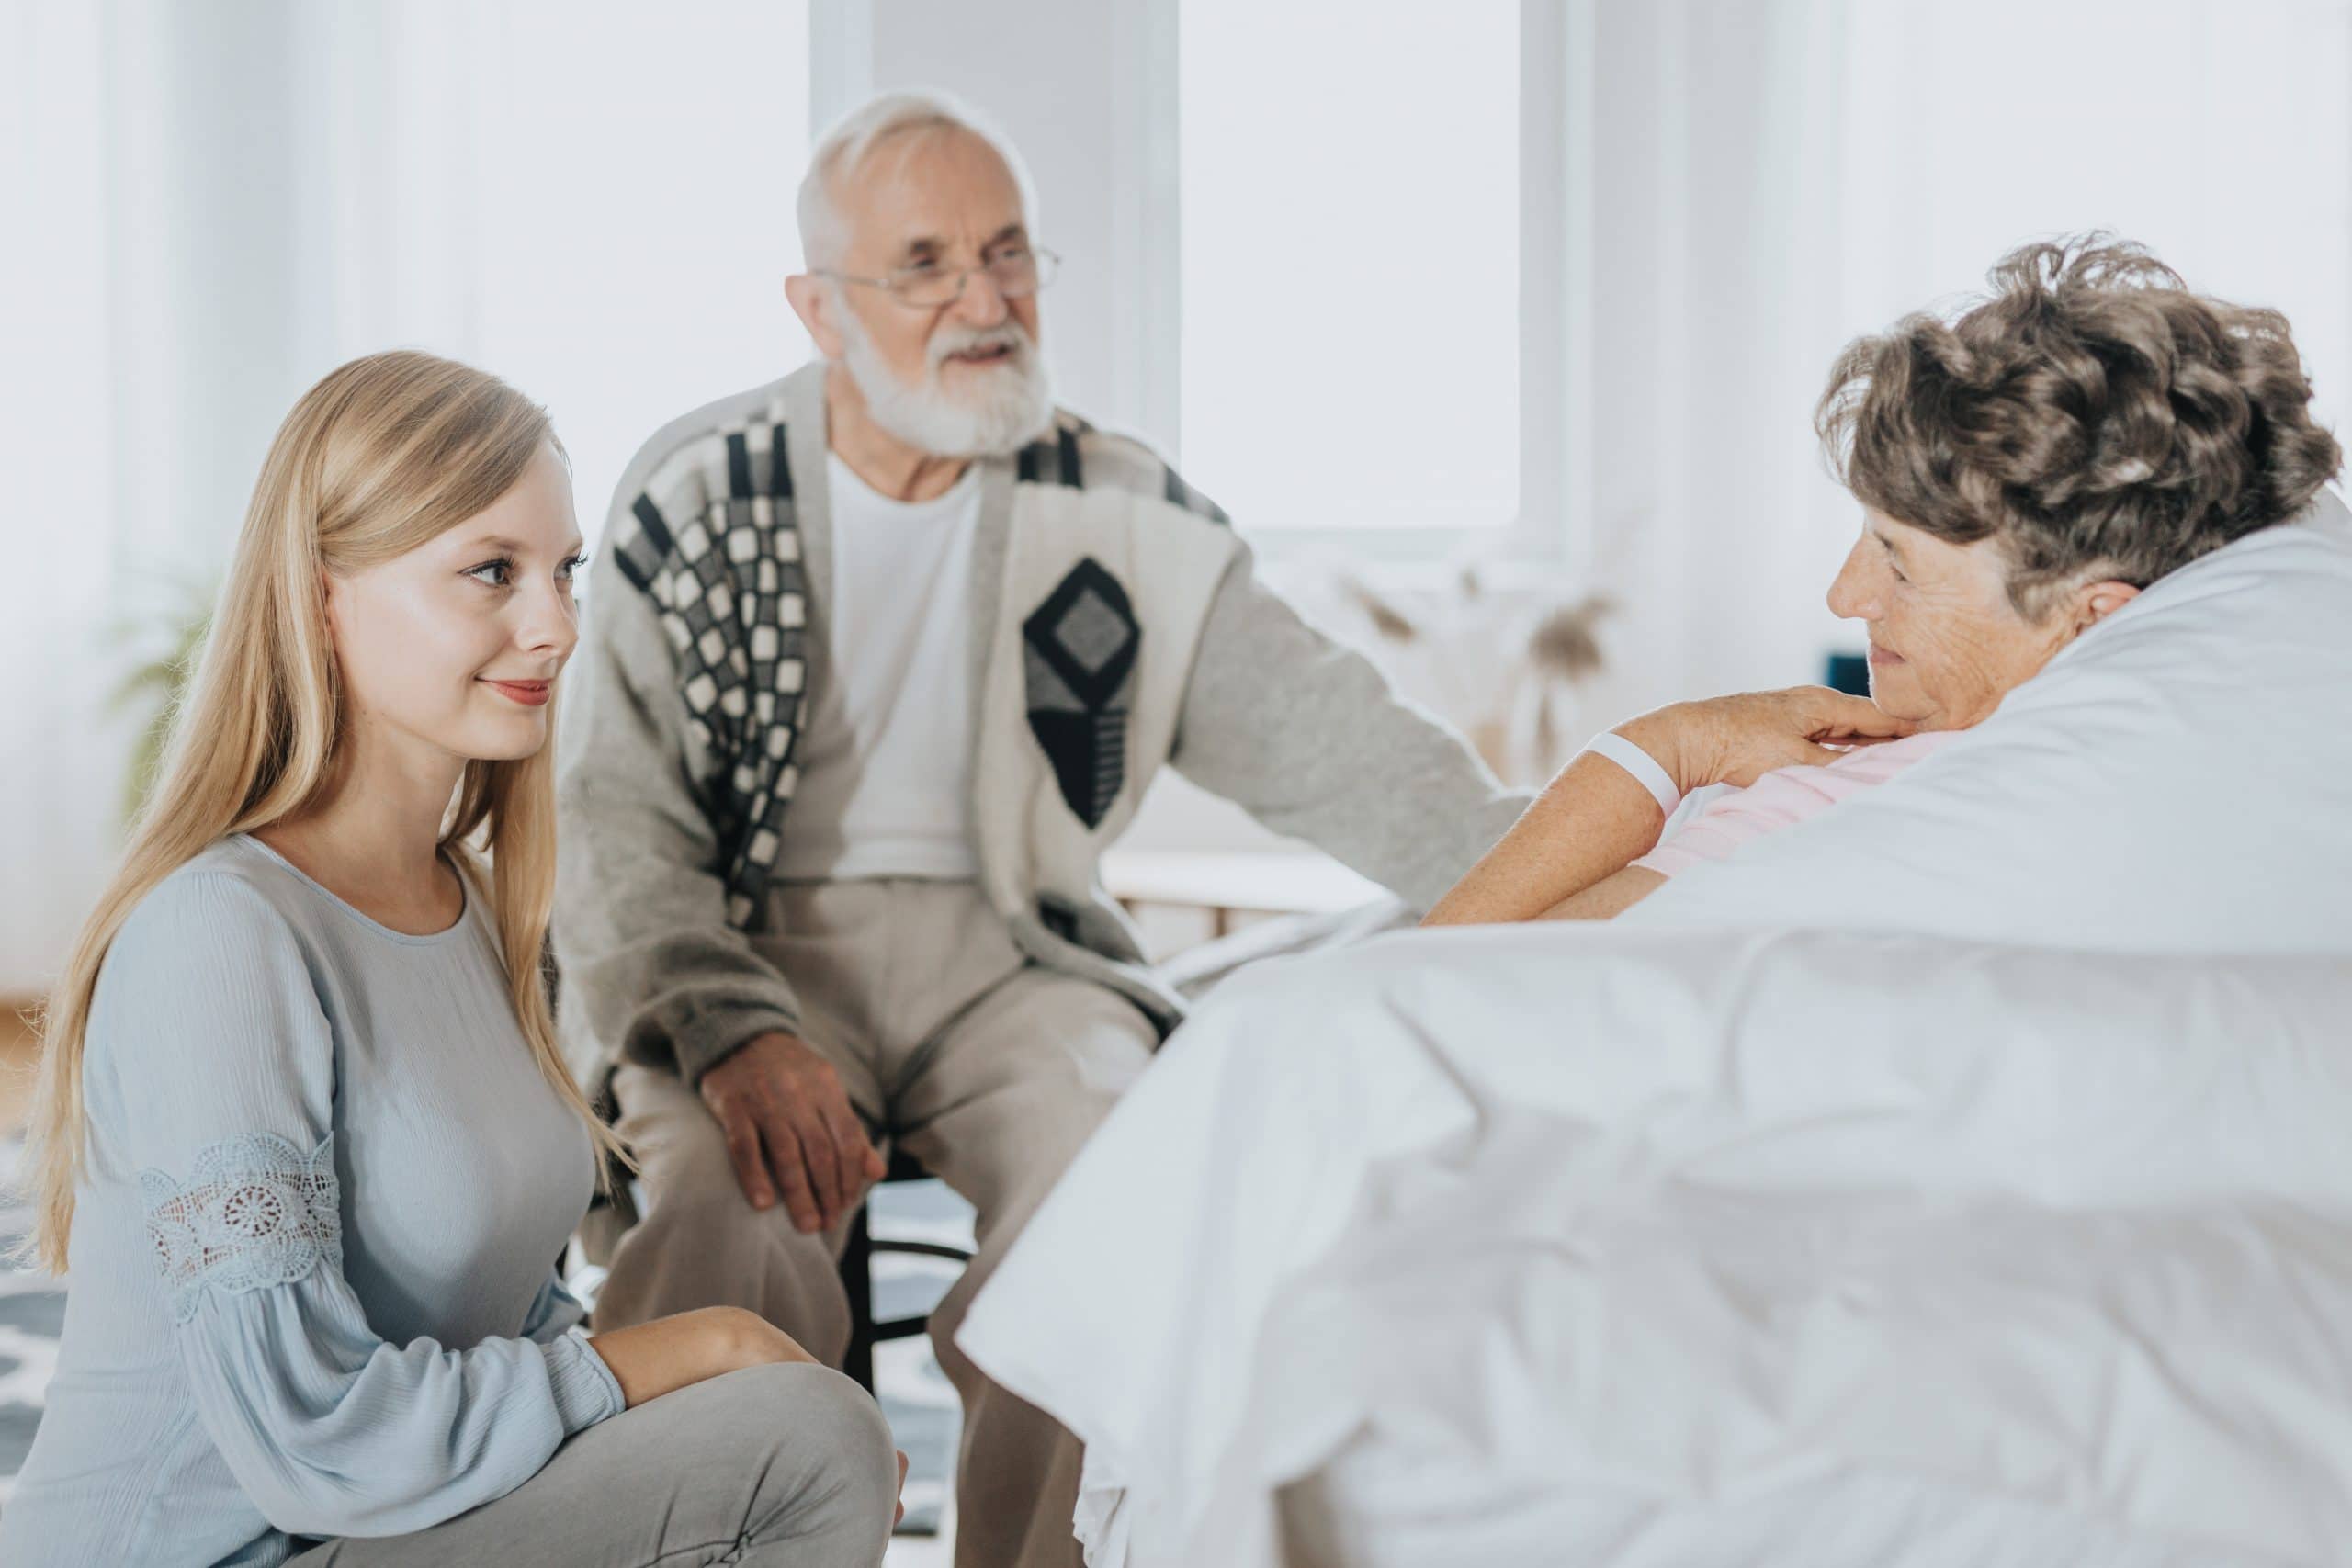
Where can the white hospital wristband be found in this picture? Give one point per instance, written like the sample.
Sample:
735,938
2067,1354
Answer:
1641,764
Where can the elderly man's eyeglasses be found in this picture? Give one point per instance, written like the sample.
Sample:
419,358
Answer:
1017,271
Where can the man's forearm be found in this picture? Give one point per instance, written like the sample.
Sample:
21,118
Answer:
1308,737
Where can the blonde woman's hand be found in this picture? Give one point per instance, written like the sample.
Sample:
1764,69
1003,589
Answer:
1738,738
671,1353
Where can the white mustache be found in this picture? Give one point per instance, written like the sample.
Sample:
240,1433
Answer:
953,340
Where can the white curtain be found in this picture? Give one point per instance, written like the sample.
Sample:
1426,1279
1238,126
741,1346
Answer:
67,543
1760,181
208,207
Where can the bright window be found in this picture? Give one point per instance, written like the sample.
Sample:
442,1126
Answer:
637,233
1351,262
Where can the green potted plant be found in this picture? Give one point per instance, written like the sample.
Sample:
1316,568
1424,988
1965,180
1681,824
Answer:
157,683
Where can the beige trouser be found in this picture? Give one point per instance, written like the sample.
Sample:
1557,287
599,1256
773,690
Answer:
769,1467
987,1070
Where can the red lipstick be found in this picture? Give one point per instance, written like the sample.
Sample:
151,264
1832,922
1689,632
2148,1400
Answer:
530,694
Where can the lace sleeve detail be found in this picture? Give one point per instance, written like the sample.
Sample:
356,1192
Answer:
256,1211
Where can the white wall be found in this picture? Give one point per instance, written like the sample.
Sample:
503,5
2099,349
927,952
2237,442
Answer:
151,324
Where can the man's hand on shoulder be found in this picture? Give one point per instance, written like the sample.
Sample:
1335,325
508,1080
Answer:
790,1128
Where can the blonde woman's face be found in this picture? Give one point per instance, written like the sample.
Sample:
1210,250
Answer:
456,643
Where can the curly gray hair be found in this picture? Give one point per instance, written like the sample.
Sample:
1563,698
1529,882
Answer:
2091,412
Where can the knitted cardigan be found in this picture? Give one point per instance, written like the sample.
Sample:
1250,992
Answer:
1117,625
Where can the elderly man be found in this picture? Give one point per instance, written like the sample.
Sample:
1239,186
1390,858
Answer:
879,657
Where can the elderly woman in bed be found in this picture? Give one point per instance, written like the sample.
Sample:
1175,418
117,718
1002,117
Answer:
2025,467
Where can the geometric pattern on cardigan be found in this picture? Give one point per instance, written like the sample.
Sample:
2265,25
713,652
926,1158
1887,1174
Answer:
1079,664
729,587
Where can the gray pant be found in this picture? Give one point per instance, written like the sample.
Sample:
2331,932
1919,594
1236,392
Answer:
991,1070
780,1467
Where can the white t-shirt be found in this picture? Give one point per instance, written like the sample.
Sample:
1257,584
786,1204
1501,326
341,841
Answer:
885,758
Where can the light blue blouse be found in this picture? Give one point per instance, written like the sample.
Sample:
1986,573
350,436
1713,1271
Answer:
312,1288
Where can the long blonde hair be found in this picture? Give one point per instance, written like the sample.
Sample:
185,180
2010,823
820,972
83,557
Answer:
380,456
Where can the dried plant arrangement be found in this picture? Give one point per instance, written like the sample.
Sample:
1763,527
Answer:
1506,674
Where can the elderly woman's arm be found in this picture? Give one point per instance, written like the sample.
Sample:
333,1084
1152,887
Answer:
1592,821
1570,856
1609,897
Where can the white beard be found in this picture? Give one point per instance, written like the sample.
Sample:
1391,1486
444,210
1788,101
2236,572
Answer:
1010,407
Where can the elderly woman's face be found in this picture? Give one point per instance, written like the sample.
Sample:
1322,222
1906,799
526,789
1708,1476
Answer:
1945,643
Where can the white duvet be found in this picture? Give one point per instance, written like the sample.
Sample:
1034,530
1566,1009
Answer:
1649,1228
1963,1179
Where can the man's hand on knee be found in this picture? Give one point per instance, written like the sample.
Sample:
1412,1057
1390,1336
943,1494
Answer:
790,1128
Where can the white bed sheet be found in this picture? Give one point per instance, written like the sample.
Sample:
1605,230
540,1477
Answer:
1379,1505
1604,1212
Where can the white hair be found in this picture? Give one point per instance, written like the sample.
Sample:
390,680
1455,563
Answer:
842,151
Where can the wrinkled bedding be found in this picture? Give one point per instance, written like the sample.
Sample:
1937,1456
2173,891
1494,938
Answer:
2068,1235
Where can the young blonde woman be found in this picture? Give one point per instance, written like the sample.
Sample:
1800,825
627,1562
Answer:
303,1129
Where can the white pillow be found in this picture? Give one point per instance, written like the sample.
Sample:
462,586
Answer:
2179,780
